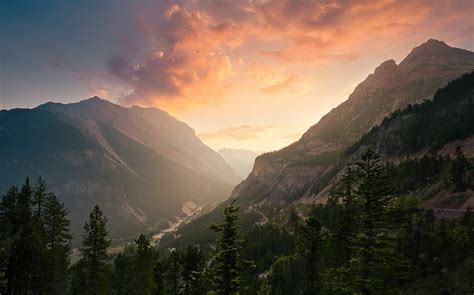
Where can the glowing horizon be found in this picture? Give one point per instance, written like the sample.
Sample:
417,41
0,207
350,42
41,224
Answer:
243,74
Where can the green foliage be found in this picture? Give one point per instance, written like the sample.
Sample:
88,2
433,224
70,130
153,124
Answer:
57,238
193,262
458,172
311,242
92,273
134,269
374,263
431,124
173,273
35,241
227,264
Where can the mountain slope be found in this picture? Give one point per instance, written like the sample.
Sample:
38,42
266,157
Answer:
420,143
140,165
286,175
413,143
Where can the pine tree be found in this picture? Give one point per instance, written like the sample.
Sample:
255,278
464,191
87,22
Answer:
173,273
158,273
92,274
39,198
193,265
226,276
24,272
345,227
458,171
142,273
309,249
340,243
123,267
7,233
375,261
57,238
265,288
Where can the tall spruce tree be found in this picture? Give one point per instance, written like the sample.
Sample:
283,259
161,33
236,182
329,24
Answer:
375,262
193,265
7,233
227,261
173,273
458,171
309,249
123,265
142,279
345,226
39,198
158,273
57,239
24,272
92,273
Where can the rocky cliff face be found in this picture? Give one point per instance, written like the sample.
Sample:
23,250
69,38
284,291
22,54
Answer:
288,174
140,164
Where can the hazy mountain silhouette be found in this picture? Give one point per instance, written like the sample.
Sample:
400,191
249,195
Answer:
241,160
140,164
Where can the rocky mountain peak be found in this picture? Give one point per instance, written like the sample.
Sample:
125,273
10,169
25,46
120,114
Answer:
435,53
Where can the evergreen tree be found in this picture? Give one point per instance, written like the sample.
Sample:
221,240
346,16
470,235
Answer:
375,262
193,265
57,238
226,276
265,288
24,272
142,273
92,273
158,273
344,230
309,249
458,175
39,198
7,233
123,263
173,273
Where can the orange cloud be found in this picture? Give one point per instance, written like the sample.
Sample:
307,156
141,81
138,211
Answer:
195,45
279,86
188,63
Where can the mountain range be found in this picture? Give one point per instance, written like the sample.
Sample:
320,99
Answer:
146,169
142,166
293,172
417,115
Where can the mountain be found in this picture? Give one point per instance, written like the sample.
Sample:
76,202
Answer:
419,147
291,173
427,161
141,165
240,160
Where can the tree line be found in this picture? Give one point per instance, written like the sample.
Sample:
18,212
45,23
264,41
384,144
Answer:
35,253
364,240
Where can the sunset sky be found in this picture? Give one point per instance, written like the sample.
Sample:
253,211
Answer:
244,74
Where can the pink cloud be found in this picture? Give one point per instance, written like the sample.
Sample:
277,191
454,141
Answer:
193,44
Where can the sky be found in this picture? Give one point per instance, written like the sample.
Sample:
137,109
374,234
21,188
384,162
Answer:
251,74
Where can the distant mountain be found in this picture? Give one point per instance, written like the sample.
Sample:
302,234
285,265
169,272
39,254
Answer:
289,174
140,164
240,160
